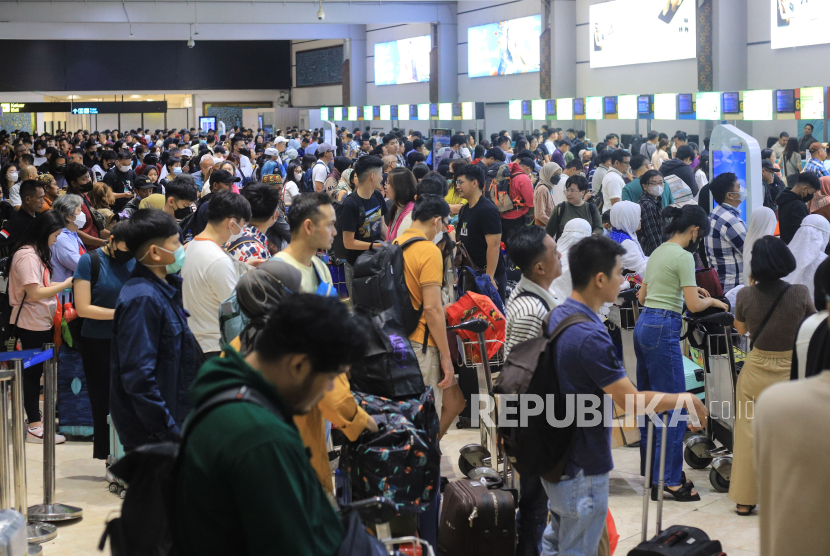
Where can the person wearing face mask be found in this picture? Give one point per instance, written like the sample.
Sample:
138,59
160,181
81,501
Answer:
40,152
153,351
252,245
121,178
79,183
792,204
651,200
725,245
174,169
9,176
99,278
669,281
293,185
69,248
143,188
209,273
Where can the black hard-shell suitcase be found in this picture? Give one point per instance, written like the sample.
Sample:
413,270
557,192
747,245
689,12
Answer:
477,519
677,540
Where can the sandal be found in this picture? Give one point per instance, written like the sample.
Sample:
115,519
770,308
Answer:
683,494
685,481
744,514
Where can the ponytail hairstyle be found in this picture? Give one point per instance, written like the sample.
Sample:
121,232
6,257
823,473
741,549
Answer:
681,219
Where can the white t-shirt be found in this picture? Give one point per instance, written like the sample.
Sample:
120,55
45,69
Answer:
319,173
612,186
14,195
550,147
290,190
209,278
558,191
701,180
245,166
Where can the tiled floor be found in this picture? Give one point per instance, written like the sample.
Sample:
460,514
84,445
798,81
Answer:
80,482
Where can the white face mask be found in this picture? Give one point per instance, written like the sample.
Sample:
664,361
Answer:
41,152
234,236
123,168
298,176
12,177
438,237
80,220
656,190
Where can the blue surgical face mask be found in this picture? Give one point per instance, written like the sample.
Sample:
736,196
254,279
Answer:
177,170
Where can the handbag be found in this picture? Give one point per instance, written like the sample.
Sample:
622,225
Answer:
462,258
707,278
11,341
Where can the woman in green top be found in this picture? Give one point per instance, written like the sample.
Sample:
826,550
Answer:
575,206
668,282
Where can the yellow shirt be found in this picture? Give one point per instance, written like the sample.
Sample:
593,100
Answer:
453,198
423,267
310,279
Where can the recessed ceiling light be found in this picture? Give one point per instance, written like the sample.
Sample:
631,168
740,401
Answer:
135,96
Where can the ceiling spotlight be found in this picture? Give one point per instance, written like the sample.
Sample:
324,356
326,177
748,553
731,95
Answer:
321,15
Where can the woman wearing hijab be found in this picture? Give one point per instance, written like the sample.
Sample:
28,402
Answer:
808,246
625,221
821,200
761,223
543,196
575,230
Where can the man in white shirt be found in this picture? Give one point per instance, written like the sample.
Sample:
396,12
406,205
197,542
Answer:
550,146
324,154
613,183
209,274
312,223
238,143
778,148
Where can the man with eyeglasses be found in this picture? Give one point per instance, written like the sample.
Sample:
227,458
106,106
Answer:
650,233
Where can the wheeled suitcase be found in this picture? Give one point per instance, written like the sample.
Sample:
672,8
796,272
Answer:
478,518
677,540
116,485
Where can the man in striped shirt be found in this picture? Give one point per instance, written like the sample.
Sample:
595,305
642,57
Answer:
534,252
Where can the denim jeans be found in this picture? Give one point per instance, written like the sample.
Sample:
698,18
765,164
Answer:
660,369
578,509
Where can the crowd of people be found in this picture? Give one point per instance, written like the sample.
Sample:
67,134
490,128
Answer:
152,235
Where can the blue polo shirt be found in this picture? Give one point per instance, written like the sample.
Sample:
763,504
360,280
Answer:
586,361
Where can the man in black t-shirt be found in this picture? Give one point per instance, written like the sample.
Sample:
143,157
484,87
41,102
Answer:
361,217
479,226
121,179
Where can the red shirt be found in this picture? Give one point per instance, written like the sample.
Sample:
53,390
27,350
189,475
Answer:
89,228
521,191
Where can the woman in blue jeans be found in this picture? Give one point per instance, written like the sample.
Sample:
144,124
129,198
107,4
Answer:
669,281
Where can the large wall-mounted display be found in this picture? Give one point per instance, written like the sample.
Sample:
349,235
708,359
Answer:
321,66
799,22
402,61
616,27
504,48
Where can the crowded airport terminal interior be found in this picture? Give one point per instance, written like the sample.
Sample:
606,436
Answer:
414,277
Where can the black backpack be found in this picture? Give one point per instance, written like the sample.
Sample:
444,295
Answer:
537,449
145,527
380,283
337,245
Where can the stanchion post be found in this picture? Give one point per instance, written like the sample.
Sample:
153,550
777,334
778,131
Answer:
5,501
36,532
49,510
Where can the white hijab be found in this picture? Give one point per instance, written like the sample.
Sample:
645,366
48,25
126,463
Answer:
808,247
574,231
625,216
761,223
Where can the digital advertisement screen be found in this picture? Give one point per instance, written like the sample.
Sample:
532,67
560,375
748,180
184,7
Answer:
504,48
643,105
731,161
514,109
593,108
550,108
799,22
352,114
423,112
375,112
445,111
457,111
609,105
433,111
812,103
337,114
360,112
324,114
467,111
385,113
579,107
613,27
785,101
708,106
665,106
758,105
402,61
367,112
527,114
564,109
731,103
393,111
537,109
685,104
413,112
403,112
627,107
206,123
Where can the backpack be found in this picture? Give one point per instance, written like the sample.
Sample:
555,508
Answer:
498,189
680,191
337,245
308,178
186,225
556,218
537,449
380,283
146,522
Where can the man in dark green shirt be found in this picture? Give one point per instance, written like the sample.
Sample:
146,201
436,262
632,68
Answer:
634,189
246,485
575,206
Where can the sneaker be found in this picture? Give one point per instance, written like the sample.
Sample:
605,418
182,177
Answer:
35,436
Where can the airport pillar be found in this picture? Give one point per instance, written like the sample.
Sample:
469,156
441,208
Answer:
354,67
443,80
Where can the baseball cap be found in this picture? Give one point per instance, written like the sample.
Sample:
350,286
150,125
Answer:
324,147
187,152
280,140
291,154
768,165
143,182
270,151
223,176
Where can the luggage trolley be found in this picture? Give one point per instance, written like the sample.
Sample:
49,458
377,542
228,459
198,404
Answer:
629,309
721,349
474,456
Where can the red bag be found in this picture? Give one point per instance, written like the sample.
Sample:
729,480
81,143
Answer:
613,535
475,306
707,278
